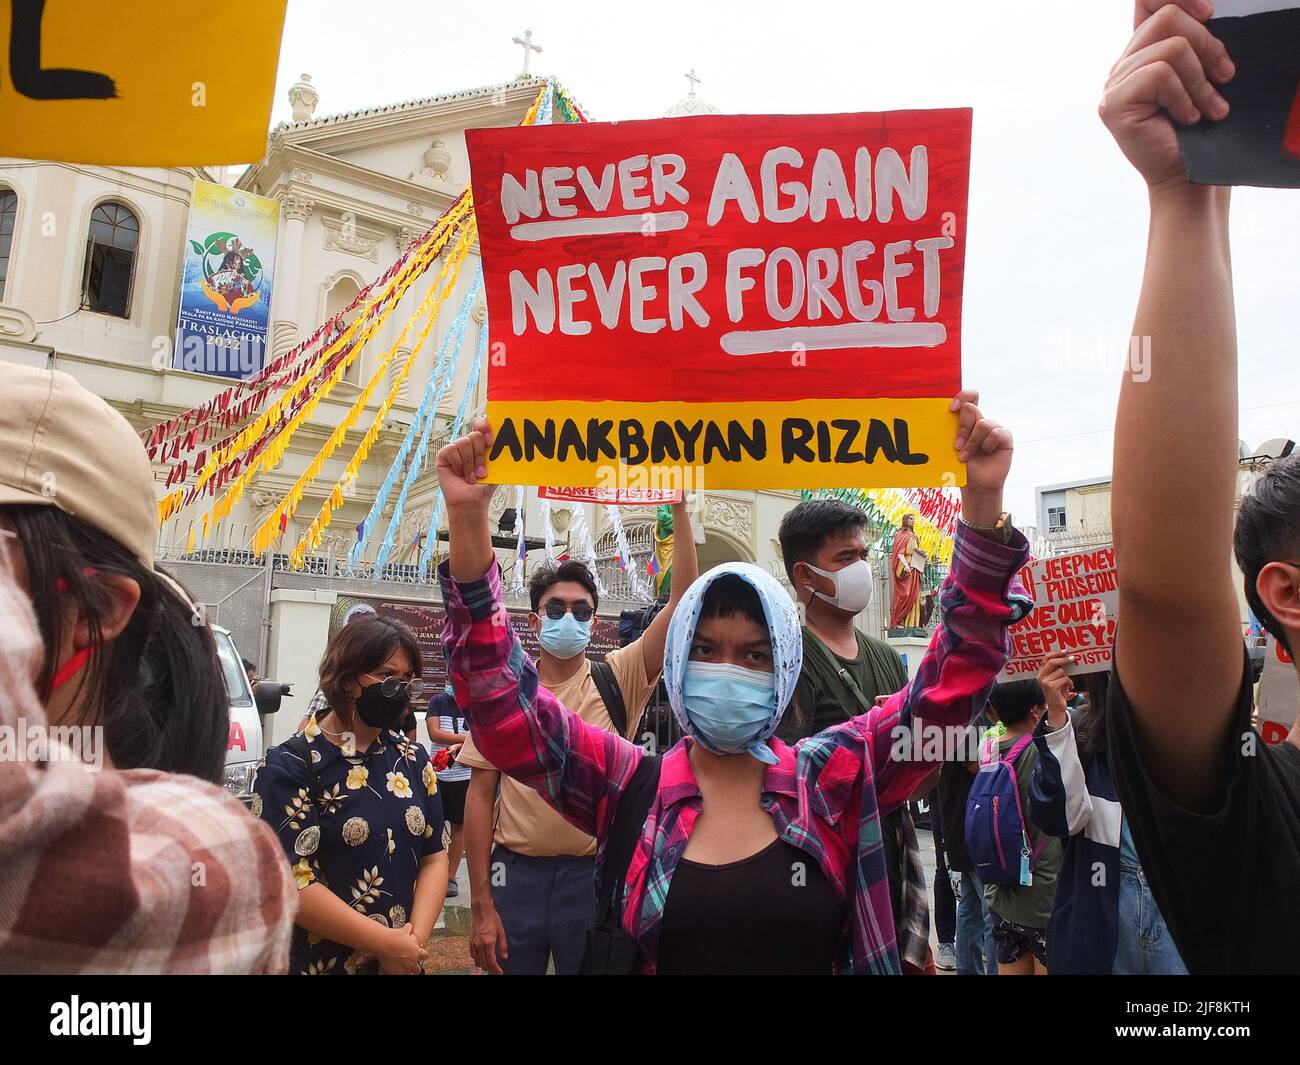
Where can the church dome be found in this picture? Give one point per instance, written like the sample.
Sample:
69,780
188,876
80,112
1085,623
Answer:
691,104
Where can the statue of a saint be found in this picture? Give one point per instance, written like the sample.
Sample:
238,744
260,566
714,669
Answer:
906,560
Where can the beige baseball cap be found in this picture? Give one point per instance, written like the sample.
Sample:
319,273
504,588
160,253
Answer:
63,446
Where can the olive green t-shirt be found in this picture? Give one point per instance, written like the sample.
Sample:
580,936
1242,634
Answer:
821,698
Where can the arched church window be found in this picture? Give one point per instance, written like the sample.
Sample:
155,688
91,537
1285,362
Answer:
340,295
8,218
111,246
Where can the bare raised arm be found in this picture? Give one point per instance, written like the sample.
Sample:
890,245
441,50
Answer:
1178,647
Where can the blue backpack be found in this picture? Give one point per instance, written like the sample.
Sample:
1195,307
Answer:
996,838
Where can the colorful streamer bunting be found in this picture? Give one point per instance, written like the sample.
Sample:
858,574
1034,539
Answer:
885,508
269,533
426,415
480,354
267,409
426,256
264,441
226,409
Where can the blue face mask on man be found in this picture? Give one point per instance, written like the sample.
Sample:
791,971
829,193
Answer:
730,706
565,636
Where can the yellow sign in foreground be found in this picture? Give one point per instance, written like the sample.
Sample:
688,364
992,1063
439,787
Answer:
141,83
829,443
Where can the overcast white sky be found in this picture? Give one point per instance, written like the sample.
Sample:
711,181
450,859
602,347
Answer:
1057,219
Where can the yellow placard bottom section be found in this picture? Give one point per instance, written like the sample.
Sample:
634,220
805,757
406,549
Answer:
815,443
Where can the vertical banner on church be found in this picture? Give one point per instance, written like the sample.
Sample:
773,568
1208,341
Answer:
225,301
759,301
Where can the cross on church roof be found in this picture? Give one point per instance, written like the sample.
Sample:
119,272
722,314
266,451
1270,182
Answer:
692,79
526,41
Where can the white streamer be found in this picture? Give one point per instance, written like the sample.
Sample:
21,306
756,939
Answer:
580,532
517,585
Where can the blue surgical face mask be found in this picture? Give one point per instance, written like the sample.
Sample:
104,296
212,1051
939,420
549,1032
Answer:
565,637
729,706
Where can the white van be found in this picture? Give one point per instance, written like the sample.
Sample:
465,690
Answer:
244,744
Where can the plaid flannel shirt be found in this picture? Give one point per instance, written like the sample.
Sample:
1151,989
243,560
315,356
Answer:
914,945
824,795
125,871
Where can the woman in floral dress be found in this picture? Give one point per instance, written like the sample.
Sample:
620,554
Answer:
355,805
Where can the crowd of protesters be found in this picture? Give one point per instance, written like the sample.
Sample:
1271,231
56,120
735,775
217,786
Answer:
1109,824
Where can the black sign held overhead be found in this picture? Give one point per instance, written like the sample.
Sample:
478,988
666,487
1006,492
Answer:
34,81
1259,142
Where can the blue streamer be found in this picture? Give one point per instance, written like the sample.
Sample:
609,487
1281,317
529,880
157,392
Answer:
417,463
426,551
425,415
545,112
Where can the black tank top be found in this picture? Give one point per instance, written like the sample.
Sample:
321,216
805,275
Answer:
771,914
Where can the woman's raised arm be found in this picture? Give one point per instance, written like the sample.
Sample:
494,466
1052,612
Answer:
517,724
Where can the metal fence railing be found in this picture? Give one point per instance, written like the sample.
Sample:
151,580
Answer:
1075,538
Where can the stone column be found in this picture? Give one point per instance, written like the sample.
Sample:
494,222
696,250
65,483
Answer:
288,274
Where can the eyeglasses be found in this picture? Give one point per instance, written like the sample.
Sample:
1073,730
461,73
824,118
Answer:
557,608
391,686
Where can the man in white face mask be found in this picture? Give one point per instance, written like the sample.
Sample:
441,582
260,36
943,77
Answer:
825,553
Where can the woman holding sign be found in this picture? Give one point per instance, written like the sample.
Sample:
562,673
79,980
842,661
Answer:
733,852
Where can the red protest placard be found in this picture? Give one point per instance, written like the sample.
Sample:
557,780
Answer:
619,497
776,299
1076,606
1279,693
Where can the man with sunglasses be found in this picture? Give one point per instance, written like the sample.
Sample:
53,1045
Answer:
532,896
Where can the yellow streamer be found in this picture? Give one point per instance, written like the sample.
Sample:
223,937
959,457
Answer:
269,532
335,500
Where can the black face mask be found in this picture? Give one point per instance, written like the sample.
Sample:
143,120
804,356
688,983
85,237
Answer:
379,710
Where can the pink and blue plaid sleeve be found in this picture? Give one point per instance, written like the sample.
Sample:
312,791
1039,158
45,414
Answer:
517,724
982,598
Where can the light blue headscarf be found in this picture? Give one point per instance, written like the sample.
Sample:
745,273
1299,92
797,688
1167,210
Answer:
787,647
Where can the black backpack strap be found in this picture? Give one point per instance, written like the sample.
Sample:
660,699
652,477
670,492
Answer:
607,684
610,950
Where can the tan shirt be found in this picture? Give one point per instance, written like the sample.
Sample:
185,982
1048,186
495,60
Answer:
522,820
